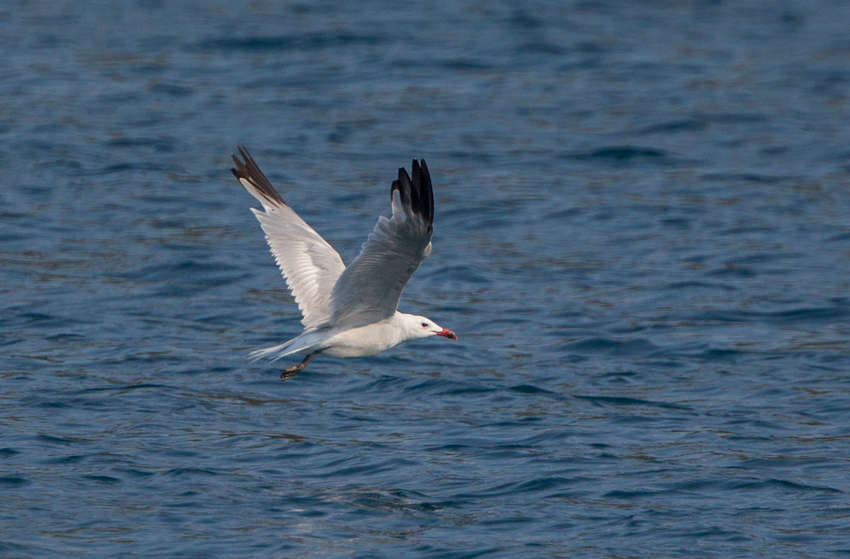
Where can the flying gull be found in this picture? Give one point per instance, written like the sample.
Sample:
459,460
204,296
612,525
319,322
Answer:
347,312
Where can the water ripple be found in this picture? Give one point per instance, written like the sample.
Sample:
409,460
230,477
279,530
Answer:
641,238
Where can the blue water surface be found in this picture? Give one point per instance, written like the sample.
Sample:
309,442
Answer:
642,239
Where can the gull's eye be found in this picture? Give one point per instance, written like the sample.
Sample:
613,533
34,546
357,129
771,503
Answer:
424,325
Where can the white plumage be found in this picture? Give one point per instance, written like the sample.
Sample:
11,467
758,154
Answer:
348,312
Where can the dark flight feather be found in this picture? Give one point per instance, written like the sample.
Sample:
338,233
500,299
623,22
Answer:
416,193
252,173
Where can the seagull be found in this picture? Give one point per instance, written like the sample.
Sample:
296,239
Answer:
347,312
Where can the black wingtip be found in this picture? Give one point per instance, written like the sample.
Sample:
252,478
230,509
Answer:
247,169
416,193
422,181
403,186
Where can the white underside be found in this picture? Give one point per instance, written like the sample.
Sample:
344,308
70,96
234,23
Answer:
358,342
353,342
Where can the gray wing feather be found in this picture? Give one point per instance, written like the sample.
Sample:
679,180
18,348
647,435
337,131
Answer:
370,288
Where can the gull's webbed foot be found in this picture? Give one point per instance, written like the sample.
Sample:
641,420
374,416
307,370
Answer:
295,369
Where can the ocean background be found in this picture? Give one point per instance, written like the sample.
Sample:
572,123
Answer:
642,240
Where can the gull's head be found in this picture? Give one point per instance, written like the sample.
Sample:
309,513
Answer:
421,327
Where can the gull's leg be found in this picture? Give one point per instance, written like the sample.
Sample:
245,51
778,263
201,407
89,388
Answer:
295,369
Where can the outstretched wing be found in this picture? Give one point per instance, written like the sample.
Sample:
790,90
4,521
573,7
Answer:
308,263
369,289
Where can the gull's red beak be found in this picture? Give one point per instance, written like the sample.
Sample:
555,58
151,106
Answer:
446,333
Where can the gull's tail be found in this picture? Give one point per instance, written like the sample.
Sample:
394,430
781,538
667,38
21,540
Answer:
307,342
274,353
